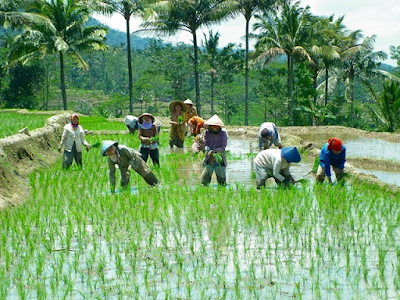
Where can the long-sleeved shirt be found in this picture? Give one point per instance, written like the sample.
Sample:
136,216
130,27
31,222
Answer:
71,135
144,134
327,159
216,142
127,156
271,159
275,138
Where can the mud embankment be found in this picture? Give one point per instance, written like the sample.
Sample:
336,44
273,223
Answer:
24,153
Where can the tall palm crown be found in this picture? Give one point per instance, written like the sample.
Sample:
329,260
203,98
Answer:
128,8
189,16
283,33
248,8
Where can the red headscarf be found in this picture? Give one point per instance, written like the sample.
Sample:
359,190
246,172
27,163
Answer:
335,144
72,124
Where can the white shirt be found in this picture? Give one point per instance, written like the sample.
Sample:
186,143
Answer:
272,159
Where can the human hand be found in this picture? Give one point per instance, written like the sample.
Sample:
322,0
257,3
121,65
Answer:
88,147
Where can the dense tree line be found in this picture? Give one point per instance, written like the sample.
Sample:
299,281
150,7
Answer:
304,70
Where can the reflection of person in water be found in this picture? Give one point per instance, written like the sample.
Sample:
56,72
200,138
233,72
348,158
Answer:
333,153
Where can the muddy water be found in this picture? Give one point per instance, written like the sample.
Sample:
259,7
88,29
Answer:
368,148
241,171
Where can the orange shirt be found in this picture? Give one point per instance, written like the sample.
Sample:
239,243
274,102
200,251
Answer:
197,123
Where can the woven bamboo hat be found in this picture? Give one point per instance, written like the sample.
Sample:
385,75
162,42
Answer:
146,114
173,103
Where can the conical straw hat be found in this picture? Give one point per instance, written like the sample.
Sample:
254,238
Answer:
214,120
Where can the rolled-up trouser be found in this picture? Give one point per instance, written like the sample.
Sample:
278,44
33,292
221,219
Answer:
339,173
220,172
143,170
69,156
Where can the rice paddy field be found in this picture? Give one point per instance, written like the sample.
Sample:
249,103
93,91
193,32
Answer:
73,239
12,121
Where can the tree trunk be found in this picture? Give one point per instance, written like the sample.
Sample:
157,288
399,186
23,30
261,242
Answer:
326,85
130,77
196,73
246,77
290,89
62,78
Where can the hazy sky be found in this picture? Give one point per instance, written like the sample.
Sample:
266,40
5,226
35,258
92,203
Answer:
373,17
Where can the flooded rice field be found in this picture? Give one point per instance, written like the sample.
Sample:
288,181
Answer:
240,171
73,240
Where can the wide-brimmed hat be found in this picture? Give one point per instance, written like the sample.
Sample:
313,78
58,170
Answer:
173,103
291,154
146,114
129,119
188,101
214,120
107,144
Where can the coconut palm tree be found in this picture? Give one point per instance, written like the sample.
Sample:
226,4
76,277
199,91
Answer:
69,37
361,62
128,8
189,16
389,106
210,54
283,33
13,16
248,8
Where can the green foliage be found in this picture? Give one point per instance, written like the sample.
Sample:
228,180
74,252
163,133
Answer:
12,121
25,83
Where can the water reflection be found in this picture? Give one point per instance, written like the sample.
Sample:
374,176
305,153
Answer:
240,170
387,177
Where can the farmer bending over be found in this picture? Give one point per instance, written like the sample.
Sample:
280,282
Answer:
268,135
275,163
333,153
124,157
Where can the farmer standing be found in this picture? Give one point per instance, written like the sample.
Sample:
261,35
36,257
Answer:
148,135
333,153
268,135
191,111
132,123
178,126
276,163
124,157
72,139
215,141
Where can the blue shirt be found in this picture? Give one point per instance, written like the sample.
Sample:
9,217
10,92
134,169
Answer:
327,159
